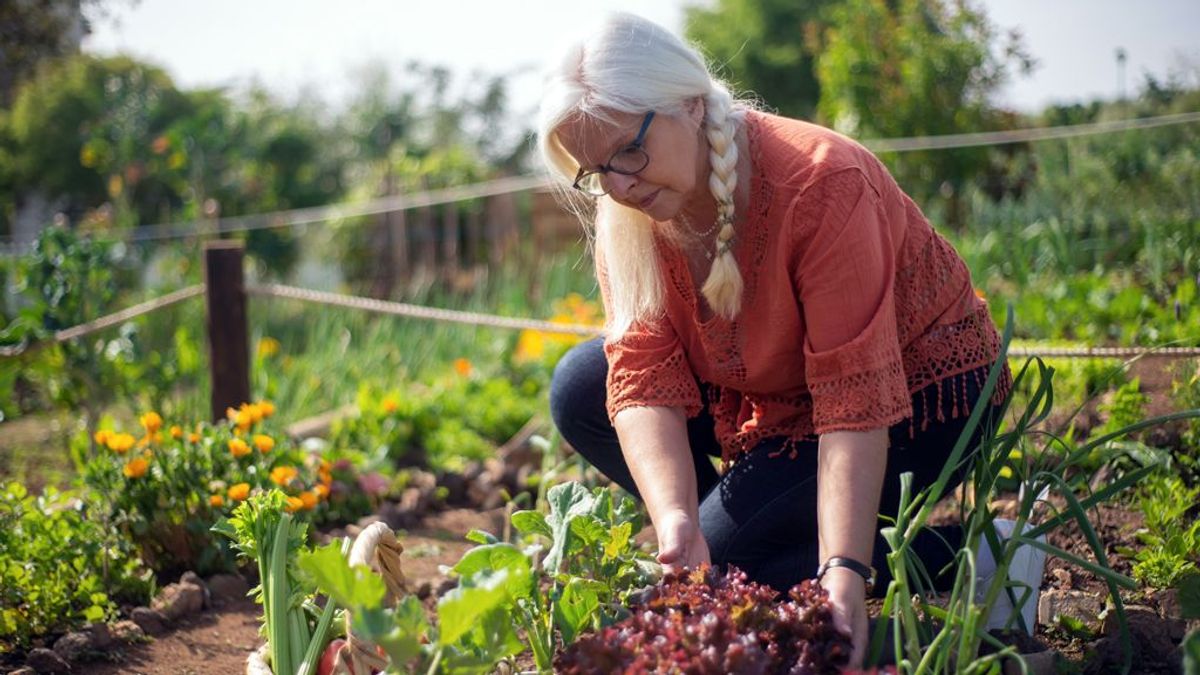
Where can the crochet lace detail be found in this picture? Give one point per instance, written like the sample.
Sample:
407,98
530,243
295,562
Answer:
668,383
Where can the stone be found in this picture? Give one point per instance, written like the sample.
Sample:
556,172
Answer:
224,588
149,620
1076,604
128,631
1037,663
179,600
73,646
46,661
1062,577
1171,612
411,500
101,635
1152,644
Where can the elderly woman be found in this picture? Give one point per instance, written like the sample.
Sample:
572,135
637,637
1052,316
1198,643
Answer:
774,299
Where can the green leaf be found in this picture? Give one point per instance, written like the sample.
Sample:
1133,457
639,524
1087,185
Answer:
481,537
567,501
353,588
531,522
398,633
496,558
94,613
618,540
1189,595
459,609
587,530
578,604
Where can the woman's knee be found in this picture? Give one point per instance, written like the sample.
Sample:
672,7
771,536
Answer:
577,388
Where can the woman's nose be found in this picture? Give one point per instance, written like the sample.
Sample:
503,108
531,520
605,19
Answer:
620,185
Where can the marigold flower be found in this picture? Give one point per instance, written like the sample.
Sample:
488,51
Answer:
101,437
266,408
136,467
282,475
160,145
268,347
238,447
120,443
294,504
176,431
239,492
216,501
152,422
531,345
462,367
321,490
193,438
309,500
264,443
390,405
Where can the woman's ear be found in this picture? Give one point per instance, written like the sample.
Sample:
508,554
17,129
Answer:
696,110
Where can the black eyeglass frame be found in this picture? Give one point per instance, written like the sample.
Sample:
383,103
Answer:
606,168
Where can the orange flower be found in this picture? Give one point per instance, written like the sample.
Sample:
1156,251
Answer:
216,501
120,443
980,294
193,438
239,492
390,405
294,504
152,422
176,431
136,468
309,500
321,490
266,409
101,437
160,145
238,447
264,443
462,367
282,475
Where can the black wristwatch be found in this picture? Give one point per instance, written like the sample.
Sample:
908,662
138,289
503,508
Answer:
865,571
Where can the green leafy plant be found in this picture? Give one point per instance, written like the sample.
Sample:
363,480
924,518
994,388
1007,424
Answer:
1171,535
59,568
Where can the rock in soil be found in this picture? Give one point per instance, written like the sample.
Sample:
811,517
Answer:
101,635
45,661
1153,649
1076,604
128,631
73,646
178,600
149,620
195,580
227,587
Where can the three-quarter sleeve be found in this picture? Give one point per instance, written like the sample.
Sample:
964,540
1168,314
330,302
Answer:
844,275
647,366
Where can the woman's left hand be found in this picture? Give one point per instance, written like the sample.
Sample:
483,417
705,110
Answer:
848,595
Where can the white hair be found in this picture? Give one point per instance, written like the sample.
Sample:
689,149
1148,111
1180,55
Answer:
632,65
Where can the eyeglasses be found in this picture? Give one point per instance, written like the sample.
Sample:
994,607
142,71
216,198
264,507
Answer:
627,161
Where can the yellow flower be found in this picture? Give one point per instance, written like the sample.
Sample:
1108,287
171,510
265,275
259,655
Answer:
1006,472
531,345
217,501
390,404
294,504
282,475
239,492
152,422
321,490
120,443
268,347
101,437
115,186
265,409
264,443
231,414
193,438
238,447
1015,455
462,367
309,500
136,467
176,431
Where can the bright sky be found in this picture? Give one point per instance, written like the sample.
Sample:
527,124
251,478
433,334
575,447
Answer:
292,44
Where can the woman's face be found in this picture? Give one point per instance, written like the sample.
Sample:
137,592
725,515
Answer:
678,163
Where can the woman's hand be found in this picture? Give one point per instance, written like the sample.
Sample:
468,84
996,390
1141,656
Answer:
848,595
680,542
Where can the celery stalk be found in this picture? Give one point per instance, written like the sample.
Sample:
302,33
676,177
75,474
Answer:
277,617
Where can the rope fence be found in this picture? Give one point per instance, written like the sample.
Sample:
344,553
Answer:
401,309
321,214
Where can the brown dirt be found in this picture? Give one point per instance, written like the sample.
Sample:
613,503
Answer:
218,641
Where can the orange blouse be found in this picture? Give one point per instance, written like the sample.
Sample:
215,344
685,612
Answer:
852,305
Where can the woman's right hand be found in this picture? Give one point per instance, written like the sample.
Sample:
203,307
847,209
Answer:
680,542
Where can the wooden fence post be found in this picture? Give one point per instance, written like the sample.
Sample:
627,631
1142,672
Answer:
225,319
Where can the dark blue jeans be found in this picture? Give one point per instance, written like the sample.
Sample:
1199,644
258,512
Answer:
761,515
